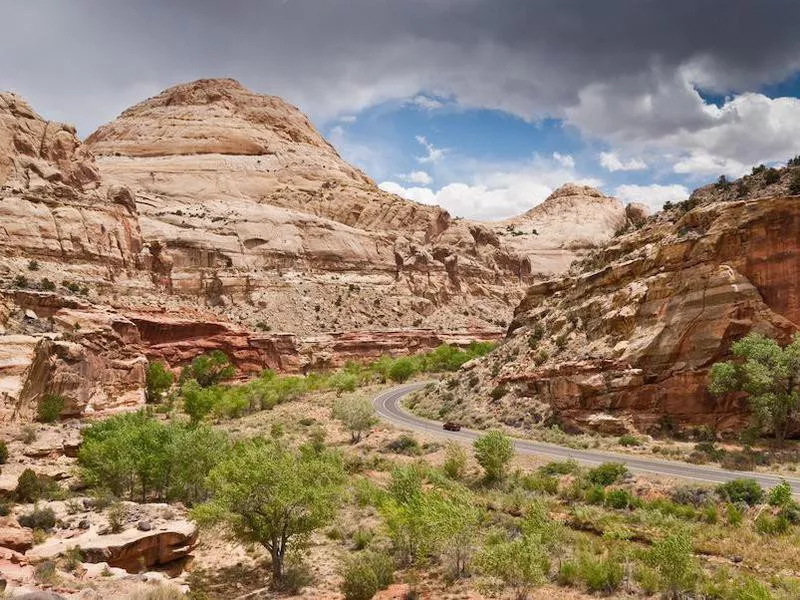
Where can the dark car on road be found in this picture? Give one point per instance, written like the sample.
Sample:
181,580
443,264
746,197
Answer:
451,426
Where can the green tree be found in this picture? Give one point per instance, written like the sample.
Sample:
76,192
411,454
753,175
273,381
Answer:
770,376
493,452
199,402
402,369
209,369
157,381
50,407
356,414
264,493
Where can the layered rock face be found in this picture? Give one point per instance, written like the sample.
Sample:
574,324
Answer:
256,211
213,217
628,342
59,226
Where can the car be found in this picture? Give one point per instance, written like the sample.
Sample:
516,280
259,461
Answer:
451,426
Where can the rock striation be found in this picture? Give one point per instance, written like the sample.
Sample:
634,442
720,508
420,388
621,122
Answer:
626,341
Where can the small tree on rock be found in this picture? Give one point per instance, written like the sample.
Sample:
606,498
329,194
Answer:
209,369
769,374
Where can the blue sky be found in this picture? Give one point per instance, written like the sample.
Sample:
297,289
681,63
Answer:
419,146
481,106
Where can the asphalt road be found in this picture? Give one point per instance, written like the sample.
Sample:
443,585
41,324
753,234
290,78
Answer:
389,409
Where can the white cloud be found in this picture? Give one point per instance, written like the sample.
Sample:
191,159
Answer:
434,154
654,196
611,162
349,119
565,160
418,177
665,116
497,191
426,103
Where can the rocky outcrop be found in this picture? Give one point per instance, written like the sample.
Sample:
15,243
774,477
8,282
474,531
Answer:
177,341
50,205
628,342
131,549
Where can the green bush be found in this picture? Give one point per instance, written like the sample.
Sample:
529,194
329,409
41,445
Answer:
30,487
493,451
621,499
741,490
607,474
772,525
629,440
564,467
365,574
46,285
600,574
39,518
781,494
734,514
50,407
402,370
405,444
3,452
674,560
455,461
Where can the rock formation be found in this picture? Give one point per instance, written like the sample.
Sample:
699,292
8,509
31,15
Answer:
627,340
214,217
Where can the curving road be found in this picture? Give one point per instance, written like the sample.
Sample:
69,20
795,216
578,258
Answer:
389,409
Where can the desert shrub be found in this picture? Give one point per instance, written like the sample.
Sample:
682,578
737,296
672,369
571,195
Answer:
117,515
568,573
541,483
772,175
738,461
741,490
45,572
365,574
362,538
607,474
343,382
620,499
493,451
498,392
402,370
20,281
46,285
596,494
30,487
629,440
672,557
768,524
43,518
33,265
3,452
734,513
781,494
455,461
599,573
160,591
564,467
405,444
50,407
694,495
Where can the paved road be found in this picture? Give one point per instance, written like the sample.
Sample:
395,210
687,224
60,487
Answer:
388,408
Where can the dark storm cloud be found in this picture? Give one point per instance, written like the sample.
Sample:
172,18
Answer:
86,60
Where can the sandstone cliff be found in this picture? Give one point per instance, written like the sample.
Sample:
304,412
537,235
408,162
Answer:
214,217
626,341
257,212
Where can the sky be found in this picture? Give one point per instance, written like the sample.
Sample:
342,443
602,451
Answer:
481,106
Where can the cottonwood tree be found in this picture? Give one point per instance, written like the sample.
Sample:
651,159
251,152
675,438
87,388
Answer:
769,374
357,415
209,369
157,381
265,493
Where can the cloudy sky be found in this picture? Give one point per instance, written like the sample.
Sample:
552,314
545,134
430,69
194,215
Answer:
482,106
